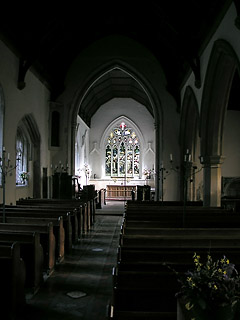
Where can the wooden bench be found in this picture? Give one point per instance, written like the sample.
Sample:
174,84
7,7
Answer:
45,214
85,207
153,240
77,213
190,241
164,211
155,231
58,230
154,209
101,201
47,240
143,252
138,285
143,285
190,222
13,274
31,252
173,203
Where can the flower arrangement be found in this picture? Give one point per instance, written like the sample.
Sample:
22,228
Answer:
86,169
148,173
210,285
23,176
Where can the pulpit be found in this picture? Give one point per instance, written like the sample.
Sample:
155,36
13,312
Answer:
62,186
143,193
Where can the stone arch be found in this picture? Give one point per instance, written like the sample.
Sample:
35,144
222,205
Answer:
29,126
148,89
189,137
189,126
221,68
222,65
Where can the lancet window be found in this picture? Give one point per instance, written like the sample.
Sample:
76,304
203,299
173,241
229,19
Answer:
22,146
122,157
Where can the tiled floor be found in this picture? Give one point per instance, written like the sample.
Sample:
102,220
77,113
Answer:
87,271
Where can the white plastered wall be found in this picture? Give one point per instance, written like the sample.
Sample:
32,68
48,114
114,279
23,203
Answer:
112,113
33,99
81,150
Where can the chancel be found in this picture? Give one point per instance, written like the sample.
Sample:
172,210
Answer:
119,152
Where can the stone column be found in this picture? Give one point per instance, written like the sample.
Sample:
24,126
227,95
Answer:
157,162
212,180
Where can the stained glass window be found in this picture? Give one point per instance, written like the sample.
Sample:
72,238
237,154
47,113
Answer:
22,155
122,155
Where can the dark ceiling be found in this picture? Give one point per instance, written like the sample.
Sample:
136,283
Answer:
48,38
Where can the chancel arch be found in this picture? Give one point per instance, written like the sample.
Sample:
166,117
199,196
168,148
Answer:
220,73
136,88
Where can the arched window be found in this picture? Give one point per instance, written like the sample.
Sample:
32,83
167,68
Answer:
22,146
122,152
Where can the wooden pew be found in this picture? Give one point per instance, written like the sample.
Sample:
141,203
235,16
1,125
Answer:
181,241
101,198
47,240
31,252
13,274
204,232
144,295
85,207
190,222
173,203
45,214
137,277
154,208
58,230
132,303
143,251
153,258
142,285
75,212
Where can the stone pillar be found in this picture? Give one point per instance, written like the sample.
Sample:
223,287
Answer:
157,162
212,180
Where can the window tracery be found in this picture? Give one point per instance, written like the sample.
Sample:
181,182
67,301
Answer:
122,155
22,155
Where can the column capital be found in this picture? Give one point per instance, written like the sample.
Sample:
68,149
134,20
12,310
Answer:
211,160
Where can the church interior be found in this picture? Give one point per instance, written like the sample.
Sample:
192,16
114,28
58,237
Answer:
123,119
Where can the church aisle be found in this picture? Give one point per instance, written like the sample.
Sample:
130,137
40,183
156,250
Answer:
87,271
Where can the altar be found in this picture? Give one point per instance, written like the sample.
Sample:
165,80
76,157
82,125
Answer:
120,192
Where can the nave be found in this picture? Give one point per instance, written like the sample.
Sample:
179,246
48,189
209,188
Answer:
87,271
